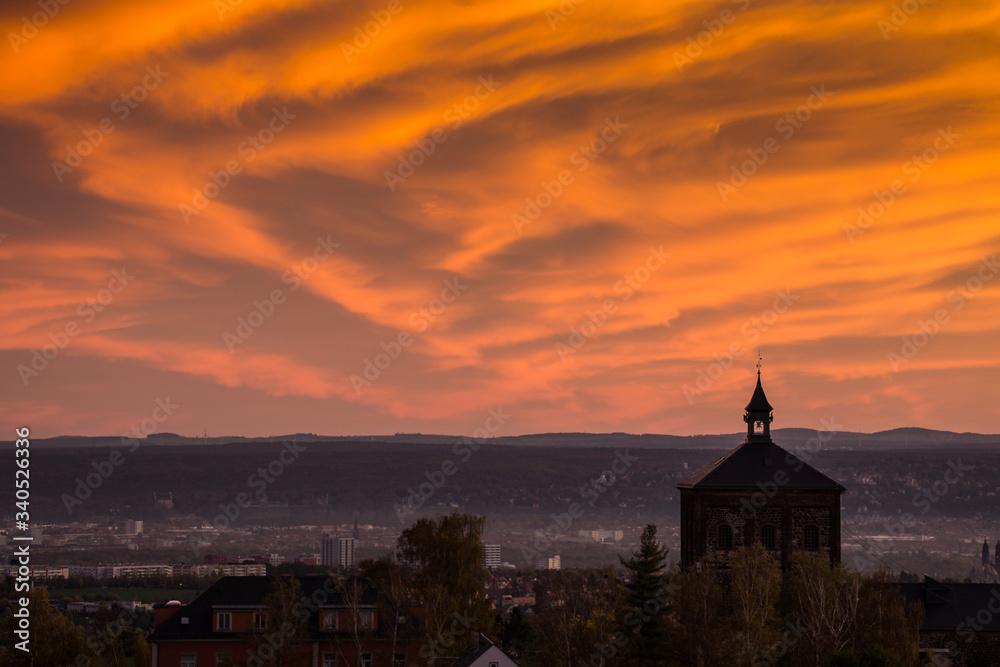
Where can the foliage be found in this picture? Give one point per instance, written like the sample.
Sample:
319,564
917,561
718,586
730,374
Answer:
754,592
54,639
647,599
697,634
282,643
448,558
576,618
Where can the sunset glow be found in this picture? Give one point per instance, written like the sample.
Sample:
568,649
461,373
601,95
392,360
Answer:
589,213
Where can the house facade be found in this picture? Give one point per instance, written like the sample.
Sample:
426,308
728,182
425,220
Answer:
345,623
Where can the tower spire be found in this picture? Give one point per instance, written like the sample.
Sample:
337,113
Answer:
759,413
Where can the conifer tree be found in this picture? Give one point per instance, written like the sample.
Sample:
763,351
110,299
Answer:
647,599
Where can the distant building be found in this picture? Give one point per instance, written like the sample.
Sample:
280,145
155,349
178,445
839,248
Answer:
242,570
759,493
343,551
215,559
553,563
492,555
133,527
326,550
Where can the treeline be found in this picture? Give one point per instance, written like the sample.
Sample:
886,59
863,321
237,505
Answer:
750,614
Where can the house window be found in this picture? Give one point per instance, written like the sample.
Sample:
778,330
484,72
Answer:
367,620
810,537
259,621
725,536
768,536
365,660
223,659
328,621
494,664
224,621
329,660
189,660
398,660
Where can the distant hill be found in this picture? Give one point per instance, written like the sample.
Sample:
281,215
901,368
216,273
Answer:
898,438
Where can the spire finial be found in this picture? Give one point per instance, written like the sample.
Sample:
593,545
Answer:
760,359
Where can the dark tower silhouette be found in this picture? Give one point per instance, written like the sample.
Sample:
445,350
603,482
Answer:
986,553
997,552
759,414
356,533
762,493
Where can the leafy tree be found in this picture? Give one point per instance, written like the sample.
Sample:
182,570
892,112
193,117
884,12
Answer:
392,581
577,616
701,618
449,560
884,623
282,643
824,599
54,640
647,599
755,588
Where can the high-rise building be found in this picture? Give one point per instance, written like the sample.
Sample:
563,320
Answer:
553,563
343,551
492,555
326,550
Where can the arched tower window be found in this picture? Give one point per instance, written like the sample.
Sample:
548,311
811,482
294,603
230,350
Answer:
725,536
810,537
768,536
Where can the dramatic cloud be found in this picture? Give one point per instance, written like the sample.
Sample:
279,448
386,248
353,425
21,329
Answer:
353,218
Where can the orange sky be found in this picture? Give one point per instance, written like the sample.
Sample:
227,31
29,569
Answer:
478,180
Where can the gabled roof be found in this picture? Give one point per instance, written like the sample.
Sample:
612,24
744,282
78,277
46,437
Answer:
471,655
754,463
948,606
249,593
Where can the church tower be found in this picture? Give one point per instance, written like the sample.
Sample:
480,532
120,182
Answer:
759,492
